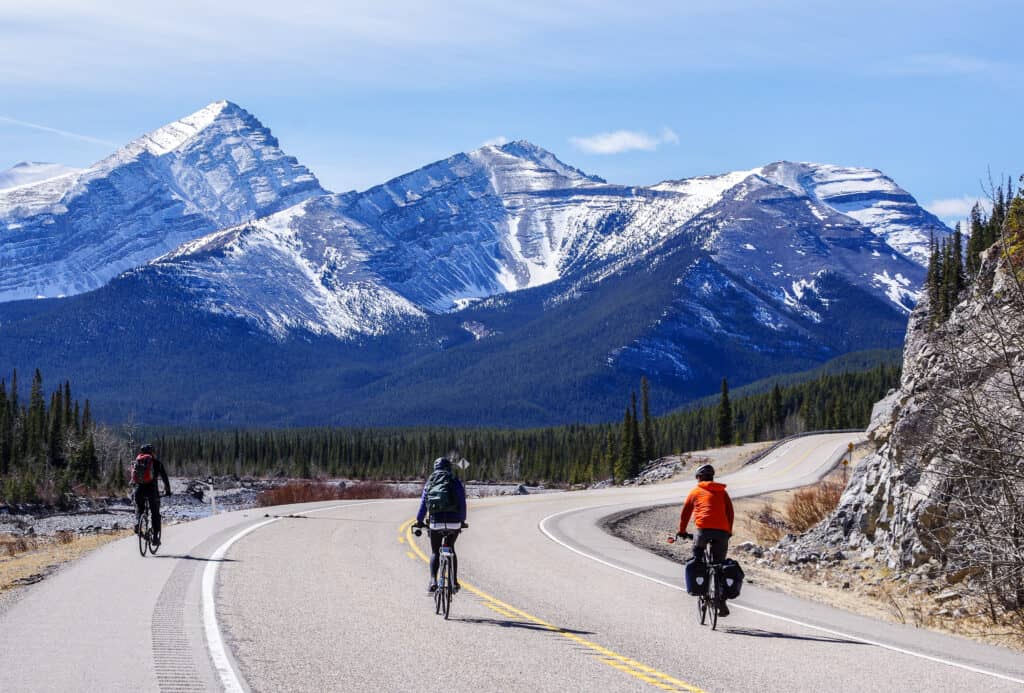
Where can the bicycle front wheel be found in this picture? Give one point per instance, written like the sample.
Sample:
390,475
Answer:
449,586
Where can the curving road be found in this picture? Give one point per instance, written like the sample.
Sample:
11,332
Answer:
333,599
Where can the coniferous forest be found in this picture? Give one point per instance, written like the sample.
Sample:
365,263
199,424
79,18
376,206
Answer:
47,445
51,445
573,454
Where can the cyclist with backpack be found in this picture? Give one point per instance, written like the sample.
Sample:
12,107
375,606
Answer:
443,505
711,508
144,475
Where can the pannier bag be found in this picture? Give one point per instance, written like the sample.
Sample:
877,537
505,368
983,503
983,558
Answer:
695,576
732,576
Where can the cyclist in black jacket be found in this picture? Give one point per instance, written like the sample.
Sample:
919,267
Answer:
147,465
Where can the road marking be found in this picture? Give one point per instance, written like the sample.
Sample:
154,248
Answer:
857,638
229,678
609,657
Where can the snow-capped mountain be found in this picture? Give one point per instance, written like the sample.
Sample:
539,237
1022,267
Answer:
456,277
212,169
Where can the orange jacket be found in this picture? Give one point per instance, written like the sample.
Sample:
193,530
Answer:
710,507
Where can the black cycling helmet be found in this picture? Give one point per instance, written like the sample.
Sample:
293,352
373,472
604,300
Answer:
705,471
442,463
146,449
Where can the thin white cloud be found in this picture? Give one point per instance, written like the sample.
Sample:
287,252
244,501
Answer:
668,136
495,141
56,131
621,141
956,207
944,64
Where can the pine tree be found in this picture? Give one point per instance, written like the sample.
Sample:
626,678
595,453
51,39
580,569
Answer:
776,413
625,458
636,460
609,455
725,432
650,451
959,278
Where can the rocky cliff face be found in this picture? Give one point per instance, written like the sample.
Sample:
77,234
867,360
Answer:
948,472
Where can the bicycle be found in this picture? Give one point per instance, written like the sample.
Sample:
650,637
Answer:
145,531
711,600
446,587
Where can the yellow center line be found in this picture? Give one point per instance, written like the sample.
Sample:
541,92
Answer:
613,659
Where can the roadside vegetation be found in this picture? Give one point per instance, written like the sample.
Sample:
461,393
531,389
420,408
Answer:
313,491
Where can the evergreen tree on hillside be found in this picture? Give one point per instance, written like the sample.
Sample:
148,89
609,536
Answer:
777,414
625,459
725,432
636,462
650,451
609,456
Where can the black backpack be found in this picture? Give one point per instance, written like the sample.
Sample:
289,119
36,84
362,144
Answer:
441,496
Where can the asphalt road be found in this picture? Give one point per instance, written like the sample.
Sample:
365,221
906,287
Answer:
334,600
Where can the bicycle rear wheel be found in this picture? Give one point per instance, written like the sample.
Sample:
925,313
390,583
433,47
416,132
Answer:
439,592
714,596
144,529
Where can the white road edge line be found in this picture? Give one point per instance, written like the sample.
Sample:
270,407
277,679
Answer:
543,528
229,678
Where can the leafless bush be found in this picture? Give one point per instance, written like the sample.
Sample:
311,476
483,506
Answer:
970,466
811,505
63,536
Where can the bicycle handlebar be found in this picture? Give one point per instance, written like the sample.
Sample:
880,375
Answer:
418,528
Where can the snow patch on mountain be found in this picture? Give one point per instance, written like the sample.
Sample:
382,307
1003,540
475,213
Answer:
899,289
299,269
867,196
32,172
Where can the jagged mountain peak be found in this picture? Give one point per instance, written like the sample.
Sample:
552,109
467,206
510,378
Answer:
214,168
524,149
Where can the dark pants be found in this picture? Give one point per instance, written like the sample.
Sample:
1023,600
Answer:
150,492
435,551
719,540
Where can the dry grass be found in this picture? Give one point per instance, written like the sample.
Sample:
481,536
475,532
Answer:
11,545
42,555
314,491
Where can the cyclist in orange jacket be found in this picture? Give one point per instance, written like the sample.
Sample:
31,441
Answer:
711,508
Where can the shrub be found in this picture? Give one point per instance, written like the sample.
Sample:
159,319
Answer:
811,505
314,491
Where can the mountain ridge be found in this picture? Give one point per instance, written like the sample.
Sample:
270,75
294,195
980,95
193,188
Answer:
502,272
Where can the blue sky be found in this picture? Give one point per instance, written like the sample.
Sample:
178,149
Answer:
929,92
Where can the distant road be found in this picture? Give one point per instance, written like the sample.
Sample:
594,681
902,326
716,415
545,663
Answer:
335,600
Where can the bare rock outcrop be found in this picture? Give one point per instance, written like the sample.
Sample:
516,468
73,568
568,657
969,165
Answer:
948,467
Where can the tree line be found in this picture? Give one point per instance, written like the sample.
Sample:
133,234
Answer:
571,454
953,265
